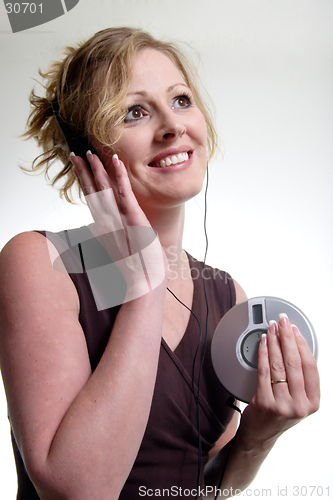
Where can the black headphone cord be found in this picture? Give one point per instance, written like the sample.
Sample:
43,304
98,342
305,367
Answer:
197,393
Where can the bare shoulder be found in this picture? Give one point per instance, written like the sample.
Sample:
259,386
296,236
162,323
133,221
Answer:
32,293
240,293
19,244
25,248
26,270
21,240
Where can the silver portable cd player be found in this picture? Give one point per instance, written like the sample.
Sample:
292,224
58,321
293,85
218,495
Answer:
234,348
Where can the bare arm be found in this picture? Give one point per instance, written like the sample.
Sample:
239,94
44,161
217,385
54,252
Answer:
78,432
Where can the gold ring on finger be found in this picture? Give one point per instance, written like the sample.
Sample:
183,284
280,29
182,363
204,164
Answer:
279,381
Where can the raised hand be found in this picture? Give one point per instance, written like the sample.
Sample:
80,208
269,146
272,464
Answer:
123,229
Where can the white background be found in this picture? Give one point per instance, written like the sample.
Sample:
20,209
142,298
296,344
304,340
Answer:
268,68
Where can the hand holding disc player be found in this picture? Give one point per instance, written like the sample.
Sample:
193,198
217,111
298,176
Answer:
288,382
284,358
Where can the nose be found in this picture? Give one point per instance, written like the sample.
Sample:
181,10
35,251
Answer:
170,125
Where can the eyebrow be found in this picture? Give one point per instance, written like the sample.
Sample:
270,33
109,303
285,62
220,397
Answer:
169,89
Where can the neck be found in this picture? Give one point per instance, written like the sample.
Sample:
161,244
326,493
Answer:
169,226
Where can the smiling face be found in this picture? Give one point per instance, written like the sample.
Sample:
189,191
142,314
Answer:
164,140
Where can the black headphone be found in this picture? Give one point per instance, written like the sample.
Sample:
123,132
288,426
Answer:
77,143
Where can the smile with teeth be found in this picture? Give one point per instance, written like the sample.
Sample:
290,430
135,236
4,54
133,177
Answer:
172,160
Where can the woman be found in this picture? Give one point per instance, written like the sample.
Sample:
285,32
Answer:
117,400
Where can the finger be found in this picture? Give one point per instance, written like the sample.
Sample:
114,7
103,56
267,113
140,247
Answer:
124,188
102,203
100,199
264,388
310,369
101,177
276,362
129,205
291,357
83,174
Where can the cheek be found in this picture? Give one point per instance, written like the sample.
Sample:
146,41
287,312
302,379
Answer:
201,130
130,147
205,131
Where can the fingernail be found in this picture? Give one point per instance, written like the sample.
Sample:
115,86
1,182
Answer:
89,153
272,326
296,330
283,319
264,338
72,157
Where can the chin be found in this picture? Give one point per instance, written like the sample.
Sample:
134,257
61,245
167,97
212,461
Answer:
185,193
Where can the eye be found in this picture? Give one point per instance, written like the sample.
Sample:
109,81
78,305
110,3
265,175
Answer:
134,113
182,101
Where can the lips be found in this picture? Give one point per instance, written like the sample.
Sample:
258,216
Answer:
171,157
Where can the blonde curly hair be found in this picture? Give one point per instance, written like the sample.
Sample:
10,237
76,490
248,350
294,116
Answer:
90,85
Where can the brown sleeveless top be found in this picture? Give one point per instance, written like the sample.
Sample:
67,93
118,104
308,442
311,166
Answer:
168,458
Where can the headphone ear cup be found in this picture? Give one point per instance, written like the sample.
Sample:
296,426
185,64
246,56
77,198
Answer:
77,144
